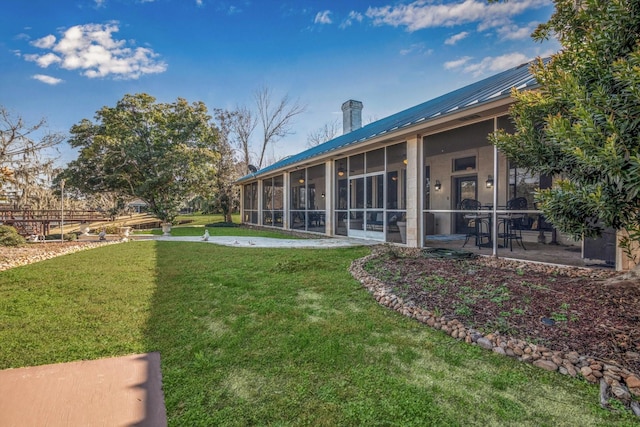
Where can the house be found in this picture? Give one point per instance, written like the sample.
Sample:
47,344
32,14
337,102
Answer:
407,179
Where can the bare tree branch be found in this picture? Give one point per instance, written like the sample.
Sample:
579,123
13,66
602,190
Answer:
275,118
327,132
242,124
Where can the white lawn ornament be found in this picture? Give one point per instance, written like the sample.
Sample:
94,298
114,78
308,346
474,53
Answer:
206,236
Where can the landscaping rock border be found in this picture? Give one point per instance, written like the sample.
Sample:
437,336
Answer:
11,257
614,380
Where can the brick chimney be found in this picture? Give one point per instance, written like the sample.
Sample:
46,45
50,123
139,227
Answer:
351,116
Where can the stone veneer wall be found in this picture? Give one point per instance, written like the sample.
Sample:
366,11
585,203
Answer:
619,381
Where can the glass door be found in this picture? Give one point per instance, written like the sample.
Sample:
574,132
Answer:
466,187
366,207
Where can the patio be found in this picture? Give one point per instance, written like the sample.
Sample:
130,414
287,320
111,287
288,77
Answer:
561,254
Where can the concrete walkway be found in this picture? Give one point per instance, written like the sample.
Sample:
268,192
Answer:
265,242
119,391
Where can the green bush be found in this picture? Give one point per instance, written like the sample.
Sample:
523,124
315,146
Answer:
9,236
68,237
111,229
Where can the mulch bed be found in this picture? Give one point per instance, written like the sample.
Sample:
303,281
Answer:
565,309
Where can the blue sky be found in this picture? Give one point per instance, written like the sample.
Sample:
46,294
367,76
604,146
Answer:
65,59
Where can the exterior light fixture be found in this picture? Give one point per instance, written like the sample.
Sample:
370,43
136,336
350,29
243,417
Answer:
301,180
322,195
340,172
437,186
489,182
405,161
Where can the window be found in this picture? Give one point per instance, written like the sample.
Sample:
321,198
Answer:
464,164
272,201
251,203
523,183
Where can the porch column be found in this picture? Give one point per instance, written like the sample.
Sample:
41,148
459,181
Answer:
496,183
286,190
329,188
413,192
241,203
260,197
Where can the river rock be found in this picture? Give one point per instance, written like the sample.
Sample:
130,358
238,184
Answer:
547,365
485,343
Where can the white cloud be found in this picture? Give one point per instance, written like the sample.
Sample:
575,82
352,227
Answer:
489,64
450,65
456,38
47,79
418,48
323,17
43,60
45,42
199,3
424,14
353,16
513,32
92,49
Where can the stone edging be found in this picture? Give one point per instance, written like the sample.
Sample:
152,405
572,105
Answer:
614,379
52,253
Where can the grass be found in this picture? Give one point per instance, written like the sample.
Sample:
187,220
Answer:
252,336
198,222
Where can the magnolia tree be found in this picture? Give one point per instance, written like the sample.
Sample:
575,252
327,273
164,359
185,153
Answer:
583,123
161,153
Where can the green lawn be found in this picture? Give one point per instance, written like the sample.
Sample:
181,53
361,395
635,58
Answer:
253,336
198,222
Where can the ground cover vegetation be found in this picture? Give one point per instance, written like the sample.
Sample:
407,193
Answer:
271,336
560,308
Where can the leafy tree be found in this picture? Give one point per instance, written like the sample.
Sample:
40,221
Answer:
158,152
583,123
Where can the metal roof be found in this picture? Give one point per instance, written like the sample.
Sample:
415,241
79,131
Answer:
488,90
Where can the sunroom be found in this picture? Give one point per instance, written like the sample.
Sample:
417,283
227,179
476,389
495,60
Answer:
426,176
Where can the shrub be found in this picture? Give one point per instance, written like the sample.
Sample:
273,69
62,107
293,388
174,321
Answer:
9,236
68,237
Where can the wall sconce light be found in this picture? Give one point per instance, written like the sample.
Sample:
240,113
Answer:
394,178
301,180
340,172
322,195
489,182
437,186
405,161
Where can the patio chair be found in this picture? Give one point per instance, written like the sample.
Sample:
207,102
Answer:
513,223
473,222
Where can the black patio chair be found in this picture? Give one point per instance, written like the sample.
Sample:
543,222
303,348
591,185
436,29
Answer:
513,223
473,222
